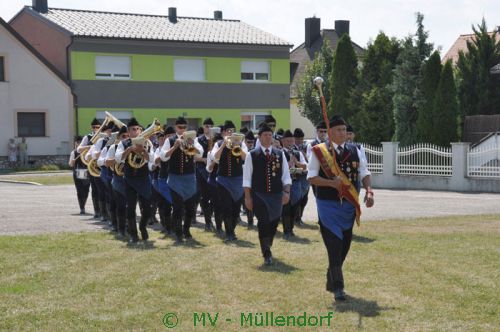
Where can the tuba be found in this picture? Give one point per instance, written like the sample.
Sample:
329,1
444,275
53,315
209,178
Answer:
187,145
135,160
233,143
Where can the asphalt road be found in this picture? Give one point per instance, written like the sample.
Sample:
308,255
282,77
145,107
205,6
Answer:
28,209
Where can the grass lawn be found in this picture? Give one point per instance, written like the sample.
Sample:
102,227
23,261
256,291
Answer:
438,274
45,179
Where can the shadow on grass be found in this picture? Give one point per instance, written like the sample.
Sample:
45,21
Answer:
241,243
298,239
362,239
277,266
309,225
364,308
142,245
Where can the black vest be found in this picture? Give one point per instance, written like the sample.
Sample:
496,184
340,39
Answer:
180,163
229,165
349,163
266,175
142,172
78,161
203,140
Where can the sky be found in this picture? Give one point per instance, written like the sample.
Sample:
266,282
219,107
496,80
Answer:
445,20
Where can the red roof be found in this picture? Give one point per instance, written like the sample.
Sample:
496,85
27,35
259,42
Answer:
461,45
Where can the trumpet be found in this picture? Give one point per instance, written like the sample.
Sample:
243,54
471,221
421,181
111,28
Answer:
136,160
233,143
187,145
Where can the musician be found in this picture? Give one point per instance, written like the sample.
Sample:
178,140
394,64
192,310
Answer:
85,143
229,178
118,183
266,181
137,184
165,197
297,165
250,143
270,121
336,216
205,140
351,136
80,175
321,136
101,181
181,178
212,169
298,134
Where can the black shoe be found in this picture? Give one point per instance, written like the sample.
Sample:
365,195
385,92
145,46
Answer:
82,211
133,239
96,216
268,260
114,228
187,235
339,295
178,240
208,227
286,236
144,235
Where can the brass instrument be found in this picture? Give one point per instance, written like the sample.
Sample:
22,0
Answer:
93,168
187,145
99,134
233,143
119,168
136,160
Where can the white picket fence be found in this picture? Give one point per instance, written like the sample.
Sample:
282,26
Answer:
375,158
424,159
484,161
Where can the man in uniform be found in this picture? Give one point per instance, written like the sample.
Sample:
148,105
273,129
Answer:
137,183
181,179
80,175
266,181
337,169
202,174
298,134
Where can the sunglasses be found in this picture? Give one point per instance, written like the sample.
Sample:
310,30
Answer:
96,127
271,125
208,126
181,126
135,128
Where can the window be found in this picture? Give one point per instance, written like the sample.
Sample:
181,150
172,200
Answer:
255,71
2,69
189,69
31,124
251,120
123,116
112,67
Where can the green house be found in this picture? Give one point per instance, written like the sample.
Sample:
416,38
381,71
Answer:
154,66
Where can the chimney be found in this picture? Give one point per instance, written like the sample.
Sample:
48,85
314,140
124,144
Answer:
172,14
342,27
40,6
218,15
313,26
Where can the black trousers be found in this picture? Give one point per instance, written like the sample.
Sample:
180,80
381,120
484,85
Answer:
337,250
182,209
95,195
230,209
206,203
82,191
120,210
103,198
303,204
266,227
132,197
217,207
164,210
290,212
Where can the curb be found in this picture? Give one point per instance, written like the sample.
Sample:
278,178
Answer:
22,182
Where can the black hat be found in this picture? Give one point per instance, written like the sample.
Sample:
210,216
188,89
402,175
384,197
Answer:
78,138
180,121
269,119
115,129
280,132
122,130
321,125
169,130
229,124
298,133
249,136
287,133
132,122
337,120
95,122
350,129
208,121
244,130
109,126
264,128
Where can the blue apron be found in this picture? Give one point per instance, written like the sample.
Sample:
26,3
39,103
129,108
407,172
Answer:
232,184
183,185
335,216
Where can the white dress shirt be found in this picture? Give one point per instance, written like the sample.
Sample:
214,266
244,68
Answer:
248,169
314,166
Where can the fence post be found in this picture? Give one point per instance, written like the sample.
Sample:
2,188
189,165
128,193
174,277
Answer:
389,164
459,166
